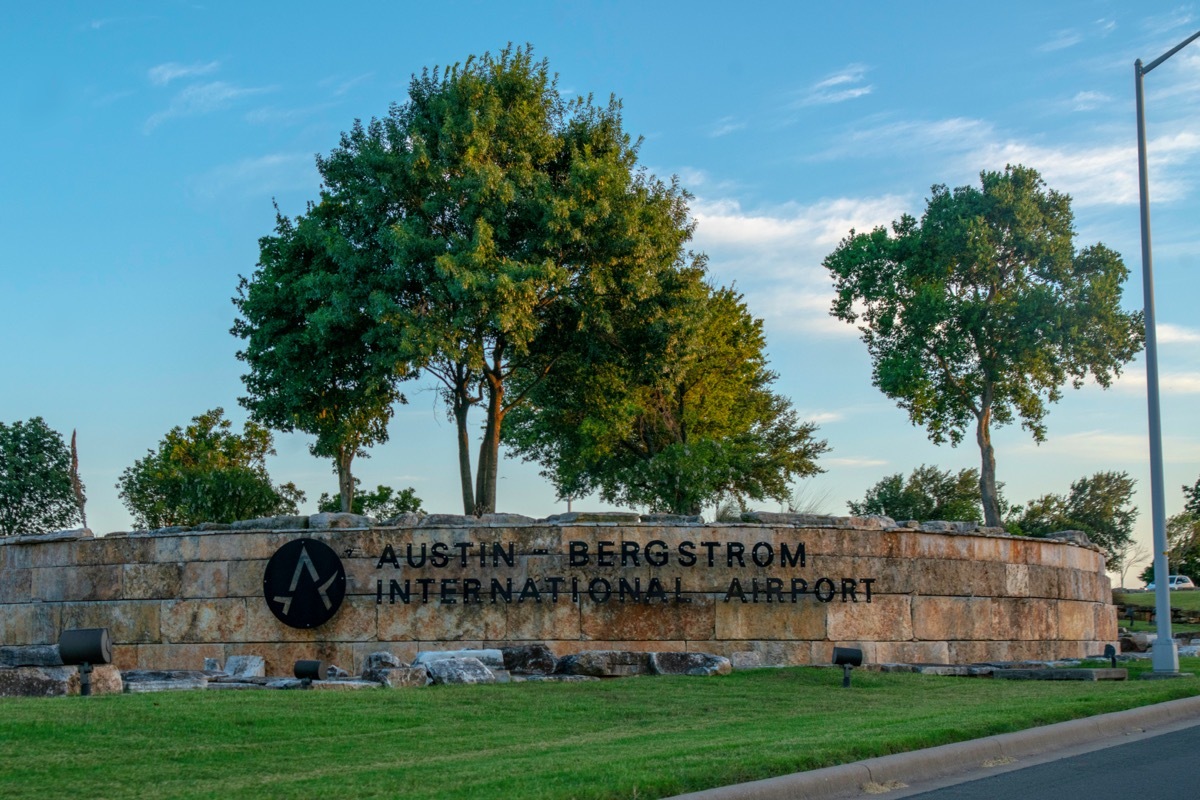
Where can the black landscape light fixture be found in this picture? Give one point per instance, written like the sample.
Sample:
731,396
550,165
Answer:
85,647
847,657
309,670
1110,653
1165,655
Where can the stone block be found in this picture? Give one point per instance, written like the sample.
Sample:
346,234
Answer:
151,581
281,657
695,620
947,618
204,620
381,659
398,677
912,653
30,623
885,618
1076,620
605,663
245,578
697,664
543,620
489,657
1016,580
129,622
141,681
15,585
745,659
246,667
286,522
51,681
355,621
30,655
174,656
337,521
55,584
530,659
803,620
459,670
204,579
436,622
343,685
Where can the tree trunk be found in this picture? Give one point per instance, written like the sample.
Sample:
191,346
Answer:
987,472
345,479
461,406
489,448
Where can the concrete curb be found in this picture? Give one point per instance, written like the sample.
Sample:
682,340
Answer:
847,780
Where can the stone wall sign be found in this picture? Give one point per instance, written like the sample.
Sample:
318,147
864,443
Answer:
304,583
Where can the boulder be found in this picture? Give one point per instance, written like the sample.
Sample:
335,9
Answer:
232,684
447,521
493,659
397,677
405,520
552,678
281,523
460,670
529,659
380,659
51,681
700,664
246,667
344,684
672,519
333,673
212,665
1074,537
138,681
613,517
505,520
337,520
605,664
30,655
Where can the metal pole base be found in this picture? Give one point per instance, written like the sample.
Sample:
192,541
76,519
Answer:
1164,654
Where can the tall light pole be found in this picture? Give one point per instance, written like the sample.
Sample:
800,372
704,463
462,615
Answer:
1165,655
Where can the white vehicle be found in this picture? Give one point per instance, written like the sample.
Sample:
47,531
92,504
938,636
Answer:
1176,582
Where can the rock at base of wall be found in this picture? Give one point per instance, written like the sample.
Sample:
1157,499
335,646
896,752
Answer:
380,659
56,681
344,684
246,667
397,677
493,659
605,663
529,659
460,670
138,681
699,664
552,678
30,655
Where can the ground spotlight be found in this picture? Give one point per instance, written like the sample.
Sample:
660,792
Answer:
85,647
846,658
309,670
1110,653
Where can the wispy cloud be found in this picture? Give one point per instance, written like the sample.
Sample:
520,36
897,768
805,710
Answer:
1061,41
273,115
163,74
853,463
1170,382
264,175
1089,101
201,98
846,84
340,85
1102,446
1159,24
725,126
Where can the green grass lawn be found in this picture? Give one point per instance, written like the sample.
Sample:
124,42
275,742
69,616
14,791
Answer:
632,738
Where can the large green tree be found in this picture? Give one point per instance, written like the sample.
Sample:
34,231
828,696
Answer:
321,359
1100,505
671,408
206,473
928,493
980,312
36,495
495,214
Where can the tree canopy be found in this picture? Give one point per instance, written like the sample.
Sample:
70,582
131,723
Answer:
1101,506
321,359
383,503
671,410
490,219
206,473
928,493
36,493
980,312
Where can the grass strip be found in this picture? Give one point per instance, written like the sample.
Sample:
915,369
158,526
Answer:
632,738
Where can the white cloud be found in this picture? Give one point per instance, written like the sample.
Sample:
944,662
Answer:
341,86
1111,449
820,417
1176,334
1089,101
852,463
846,84
272,115
1170,382
267,174
1165,23
201,98
725,126
1061,41
163,74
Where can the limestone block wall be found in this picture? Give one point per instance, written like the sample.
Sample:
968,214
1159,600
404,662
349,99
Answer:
789,587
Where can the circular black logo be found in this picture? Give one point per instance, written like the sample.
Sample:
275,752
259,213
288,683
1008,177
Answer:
304,584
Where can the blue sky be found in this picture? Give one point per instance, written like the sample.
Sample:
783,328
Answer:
143,144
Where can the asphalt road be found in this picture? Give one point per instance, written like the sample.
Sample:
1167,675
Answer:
1153,767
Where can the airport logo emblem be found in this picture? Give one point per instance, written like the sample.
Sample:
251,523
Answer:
304,583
